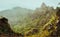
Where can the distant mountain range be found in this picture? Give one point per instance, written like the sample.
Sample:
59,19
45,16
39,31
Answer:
15,14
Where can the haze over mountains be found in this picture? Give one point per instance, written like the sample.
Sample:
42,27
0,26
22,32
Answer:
15,14
37,19
40,21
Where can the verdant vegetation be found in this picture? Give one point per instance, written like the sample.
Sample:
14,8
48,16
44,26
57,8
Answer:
38,23
41,20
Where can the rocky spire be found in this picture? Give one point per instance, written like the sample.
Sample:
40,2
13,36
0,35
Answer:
43,5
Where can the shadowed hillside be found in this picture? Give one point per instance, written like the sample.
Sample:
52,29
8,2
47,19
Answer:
5,29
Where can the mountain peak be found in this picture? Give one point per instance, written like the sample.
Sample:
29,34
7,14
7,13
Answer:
17,8
43,5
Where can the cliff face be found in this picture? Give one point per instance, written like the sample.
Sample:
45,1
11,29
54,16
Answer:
5,30
4,26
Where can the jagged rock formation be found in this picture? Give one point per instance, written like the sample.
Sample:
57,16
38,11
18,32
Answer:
4,26
5,29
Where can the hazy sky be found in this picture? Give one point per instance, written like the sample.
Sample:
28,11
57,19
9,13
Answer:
30,4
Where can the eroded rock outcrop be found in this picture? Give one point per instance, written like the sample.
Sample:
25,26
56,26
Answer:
5,29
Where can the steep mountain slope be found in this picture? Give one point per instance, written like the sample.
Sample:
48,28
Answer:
41,17
43,24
